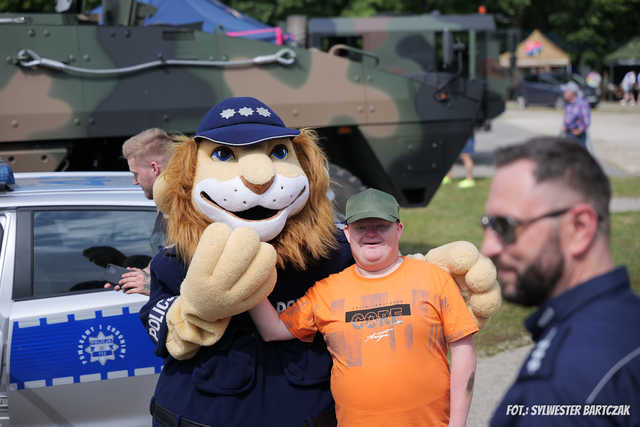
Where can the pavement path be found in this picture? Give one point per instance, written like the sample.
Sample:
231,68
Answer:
616,138
614,131
494,375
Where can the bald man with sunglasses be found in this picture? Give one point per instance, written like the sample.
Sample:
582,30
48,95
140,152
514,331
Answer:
547,230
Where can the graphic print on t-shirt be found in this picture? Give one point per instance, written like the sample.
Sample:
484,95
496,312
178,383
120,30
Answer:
370,316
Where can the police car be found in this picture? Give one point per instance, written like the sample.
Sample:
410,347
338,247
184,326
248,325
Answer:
73,353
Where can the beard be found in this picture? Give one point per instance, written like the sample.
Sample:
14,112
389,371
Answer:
536,283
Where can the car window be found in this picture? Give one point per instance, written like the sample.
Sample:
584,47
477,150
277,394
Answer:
548,79
533,78
71,248
578,79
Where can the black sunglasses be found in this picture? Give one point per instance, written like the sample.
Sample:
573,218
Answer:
505,226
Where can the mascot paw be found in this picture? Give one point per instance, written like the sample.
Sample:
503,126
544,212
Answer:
475,275
231,271
187,333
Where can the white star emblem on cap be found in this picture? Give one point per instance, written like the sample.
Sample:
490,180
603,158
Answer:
263,112
245,111
227,113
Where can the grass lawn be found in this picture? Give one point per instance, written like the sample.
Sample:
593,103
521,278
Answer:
454,214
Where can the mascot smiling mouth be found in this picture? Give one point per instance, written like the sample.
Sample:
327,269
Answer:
256,213
231,202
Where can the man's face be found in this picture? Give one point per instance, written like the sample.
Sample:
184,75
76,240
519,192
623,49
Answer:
568,95
144,175
530,267
374,242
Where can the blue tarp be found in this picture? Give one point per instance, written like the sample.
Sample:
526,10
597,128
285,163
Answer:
212,14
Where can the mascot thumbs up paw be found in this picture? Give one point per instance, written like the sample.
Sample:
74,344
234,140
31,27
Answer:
474,273
230,272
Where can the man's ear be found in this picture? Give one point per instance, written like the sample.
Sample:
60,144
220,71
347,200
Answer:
584,227
346,233
155,166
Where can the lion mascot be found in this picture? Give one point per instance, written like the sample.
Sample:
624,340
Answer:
249,218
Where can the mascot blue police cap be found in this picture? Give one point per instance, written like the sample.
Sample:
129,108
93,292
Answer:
242,121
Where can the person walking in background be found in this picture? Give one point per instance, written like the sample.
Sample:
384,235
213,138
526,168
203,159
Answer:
594,79
388,322
147,155
547,230
627,84
467,161
577,114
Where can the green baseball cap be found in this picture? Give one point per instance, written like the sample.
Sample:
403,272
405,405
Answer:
372,203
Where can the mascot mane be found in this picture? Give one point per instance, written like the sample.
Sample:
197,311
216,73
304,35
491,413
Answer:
310,234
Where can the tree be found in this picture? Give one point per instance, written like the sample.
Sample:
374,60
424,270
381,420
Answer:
27,6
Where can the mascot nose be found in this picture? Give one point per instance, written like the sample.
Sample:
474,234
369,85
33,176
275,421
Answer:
257,188
257,172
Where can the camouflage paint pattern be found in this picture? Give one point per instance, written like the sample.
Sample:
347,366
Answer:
411,45
388,129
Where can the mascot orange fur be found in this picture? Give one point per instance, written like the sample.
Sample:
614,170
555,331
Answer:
248,218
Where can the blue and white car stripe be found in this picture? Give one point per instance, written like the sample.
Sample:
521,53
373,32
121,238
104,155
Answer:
80,347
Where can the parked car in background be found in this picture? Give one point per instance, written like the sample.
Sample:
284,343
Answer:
73,353
546,89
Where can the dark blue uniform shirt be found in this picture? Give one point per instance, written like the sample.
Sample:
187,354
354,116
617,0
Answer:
587,354
241,380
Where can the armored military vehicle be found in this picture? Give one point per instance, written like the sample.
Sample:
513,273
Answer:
466,45
71,91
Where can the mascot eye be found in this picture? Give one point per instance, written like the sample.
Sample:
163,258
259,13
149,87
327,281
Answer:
223,154
280,152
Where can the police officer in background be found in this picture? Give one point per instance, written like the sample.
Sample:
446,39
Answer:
547,230
147,154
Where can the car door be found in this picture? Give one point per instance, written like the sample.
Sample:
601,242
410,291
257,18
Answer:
552,93
78,354
534,89
7,221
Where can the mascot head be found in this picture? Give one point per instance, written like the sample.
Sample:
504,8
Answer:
244,168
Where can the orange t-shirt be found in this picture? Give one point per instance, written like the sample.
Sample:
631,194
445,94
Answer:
388,339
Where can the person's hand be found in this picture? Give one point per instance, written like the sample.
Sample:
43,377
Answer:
576,132
137,281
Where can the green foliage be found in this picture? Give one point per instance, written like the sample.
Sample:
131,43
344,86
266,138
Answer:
27,5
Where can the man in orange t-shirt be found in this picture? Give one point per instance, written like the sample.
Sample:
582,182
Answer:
388,322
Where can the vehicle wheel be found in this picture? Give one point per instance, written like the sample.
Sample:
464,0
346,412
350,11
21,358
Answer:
559,104
344,184
522,102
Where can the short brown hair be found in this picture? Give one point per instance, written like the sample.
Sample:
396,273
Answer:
153,144
568,163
